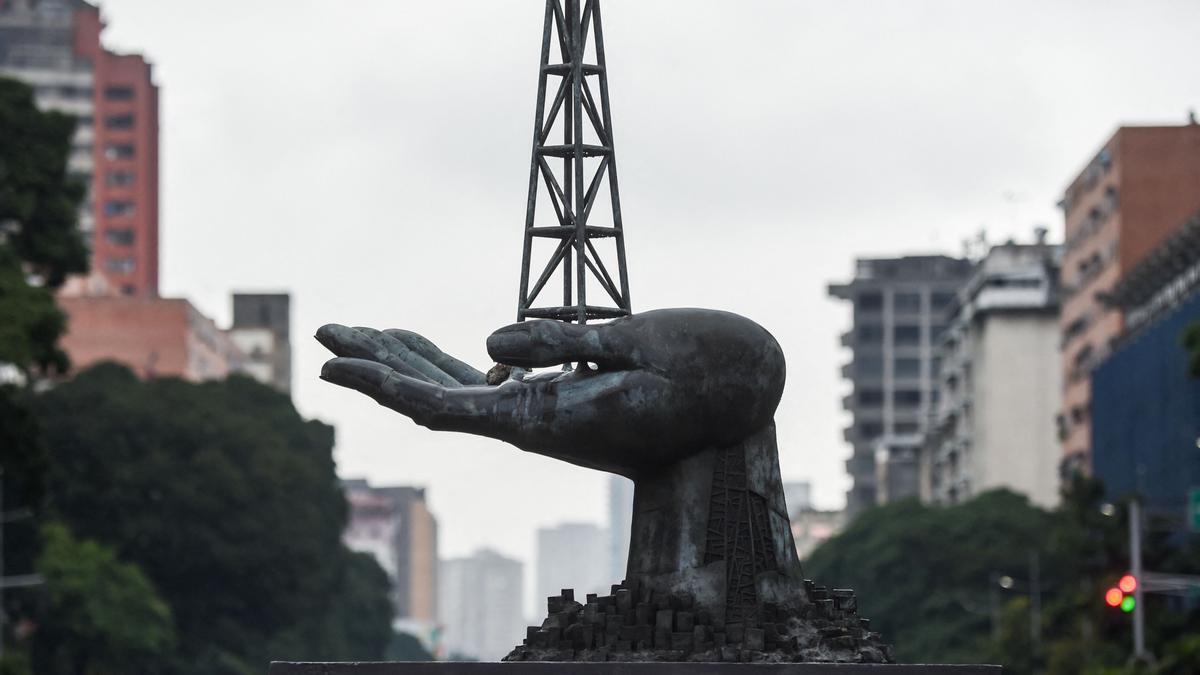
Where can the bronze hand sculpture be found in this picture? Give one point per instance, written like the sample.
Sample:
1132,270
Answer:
681,401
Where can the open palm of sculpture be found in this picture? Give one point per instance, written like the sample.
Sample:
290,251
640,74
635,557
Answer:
662,385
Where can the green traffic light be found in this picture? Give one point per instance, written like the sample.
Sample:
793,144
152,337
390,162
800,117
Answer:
1127,604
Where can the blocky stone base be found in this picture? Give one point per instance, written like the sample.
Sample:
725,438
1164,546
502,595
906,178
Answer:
636,624
456,668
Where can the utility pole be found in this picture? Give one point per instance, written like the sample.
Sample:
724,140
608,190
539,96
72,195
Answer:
1135,563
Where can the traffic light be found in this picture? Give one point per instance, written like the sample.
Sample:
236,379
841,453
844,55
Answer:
1127,584
1121,595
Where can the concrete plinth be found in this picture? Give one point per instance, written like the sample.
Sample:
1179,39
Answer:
618,668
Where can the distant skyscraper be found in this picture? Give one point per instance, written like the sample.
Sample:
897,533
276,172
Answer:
572,555
620,520
1141,186
480,606
54,46
261,328
898,313
395,525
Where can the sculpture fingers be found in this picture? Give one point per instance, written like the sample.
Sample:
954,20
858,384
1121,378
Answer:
406,355
419,344
537,344
352,343
484,411
415,398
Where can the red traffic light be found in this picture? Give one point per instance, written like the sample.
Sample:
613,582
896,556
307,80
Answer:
1113,597
1127,584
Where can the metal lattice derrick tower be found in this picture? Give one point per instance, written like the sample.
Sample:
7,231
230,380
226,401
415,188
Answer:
587,153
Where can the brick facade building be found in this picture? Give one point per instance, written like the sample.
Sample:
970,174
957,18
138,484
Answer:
1134,193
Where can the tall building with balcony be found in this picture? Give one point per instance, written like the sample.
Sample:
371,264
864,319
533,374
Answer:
395,525
898,306
1132,195
999,381
54,46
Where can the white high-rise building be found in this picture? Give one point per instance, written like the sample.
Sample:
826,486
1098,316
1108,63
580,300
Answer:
1000,381
620,520
571,555
480,606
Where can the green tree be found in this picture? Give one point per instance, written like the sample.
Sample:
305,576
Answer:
38,202
406,647
39,245
39,239
225,497
926,577
103,615
923,574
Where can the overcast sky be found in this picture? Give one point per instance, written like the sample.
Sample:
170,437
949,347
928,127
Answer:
371,157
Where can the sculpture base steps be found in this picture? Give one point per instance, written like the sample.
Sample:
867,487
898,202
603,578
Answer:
618,668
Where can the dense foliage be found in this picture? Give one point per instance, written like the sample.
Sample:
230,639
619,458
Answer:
39,241
228,500
178,527
930,577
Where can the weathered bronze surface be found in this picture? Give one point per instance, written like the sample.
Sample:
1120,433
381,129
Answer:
681,401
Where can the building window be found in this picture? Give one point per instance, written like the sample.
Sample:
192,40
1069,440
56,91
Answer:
906,427
906,335
118,150
83,121
118,178
120,265
906,398
868,366
122,121
941,299
869,302
906,367
118,92
121,236
906,302
870,429
869,332
870,397
118,207
68,91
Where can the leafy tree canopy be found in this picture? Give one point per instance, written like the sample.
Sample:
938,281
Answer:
104,615
227,499
928,578
38,203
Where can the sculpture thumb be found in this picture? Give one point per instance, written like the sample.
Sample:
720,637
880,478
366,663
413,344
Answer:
538,344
